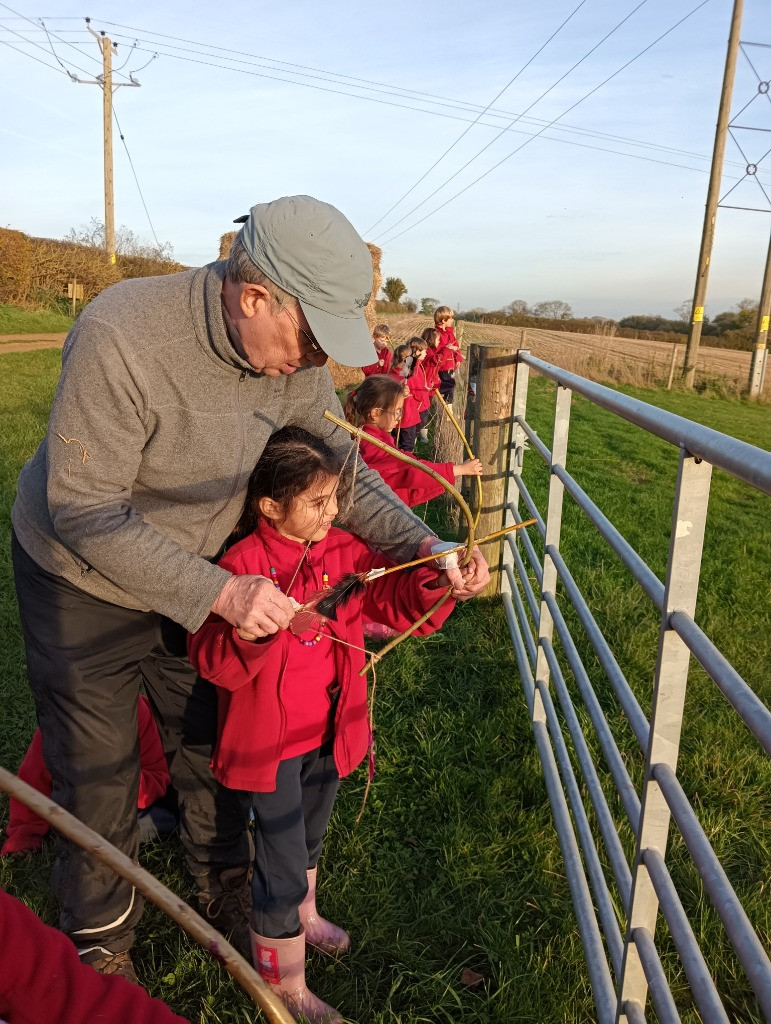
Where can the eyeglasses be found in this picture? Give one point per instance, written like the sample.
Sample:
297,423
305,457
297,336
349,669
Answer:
316,349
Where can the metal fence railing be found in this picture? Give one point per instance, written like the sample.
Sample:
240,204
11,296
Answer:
623,962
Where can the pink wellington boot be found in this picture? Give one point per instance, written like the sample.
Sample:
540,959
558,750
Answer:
281,963
320,933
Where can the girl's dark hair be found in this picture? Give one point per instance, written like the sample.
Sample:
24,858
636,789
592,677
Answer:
400,354
375,392
431,335
292,460
417,343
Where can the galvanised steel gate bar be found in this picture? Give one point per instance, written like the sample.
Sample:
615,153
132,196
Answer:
621,987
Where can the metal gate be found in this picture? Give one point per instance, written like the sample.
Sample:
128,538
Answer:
621,954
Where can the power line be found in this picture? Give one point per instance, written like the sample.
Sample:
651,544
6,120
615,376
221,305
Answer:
43,48
572,107
434,113
31,57
477,118
133,171
545,124
564,129
429,97
500,133
77,49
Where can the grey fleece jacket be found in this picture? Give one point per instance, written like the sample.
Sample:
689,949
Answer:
156,426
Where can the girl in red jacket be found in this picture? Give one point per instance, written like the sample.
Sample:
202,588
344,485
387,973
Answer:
292,705
401,369
376,405
424,382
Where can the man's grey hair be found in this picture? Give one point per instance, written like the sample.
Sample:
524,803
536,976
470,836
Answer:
241,270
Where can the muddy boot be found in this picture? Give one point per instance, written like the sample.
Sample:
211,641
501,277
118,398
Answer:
281,963
320,933
226,903
105,962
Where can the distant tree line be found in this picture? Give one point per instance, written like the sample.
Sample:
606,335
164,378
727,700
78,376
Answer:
734,328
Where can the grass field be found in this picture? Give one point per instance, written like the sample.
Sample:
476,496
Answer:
23,321
455,863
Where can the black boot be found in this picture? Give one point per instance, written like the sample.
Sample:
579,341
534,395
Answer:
226,903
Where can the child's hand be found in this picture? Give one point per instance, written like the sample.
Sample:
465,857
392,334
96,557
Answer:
246,635
471,467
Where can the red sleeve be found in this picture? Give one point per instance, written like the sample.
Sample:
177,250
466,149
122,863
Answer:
408,483
401,598
44,982
25,829
220,655
411,410
154,776
216,650
381,364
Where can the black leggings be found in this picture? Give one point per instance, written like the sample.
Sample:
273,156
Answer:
289,827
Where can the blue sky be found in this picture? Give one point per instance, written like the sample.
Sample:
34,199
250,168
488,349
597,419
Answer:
572,216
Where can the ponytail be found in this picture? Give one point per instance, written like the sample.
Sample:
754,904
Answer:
375,392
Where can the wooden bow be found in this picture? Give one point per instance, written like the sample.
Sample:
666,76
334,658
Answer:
171,904
361,435
461,434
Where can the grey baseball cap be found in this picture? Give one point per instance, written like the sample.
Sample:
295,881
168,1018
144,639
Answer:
312,251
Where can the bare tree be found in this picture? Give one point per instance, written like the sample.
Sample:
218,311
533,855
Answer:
127,243
683,311
553,309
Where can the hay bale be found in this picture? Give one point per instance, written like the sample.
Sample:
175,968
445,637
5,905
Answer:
226,241
377,280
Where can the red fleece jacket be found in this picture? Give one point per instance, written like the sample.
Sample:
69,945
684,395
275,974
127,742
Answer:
423,384
451,356
382,362
411,410
255,696
26,830
42,980
409,484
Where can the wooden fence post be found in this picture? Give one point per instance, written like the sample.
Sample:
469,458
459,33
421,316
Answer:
492,435
672,366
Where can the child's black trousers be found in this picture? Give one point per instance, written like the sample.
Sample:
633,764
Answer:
289,827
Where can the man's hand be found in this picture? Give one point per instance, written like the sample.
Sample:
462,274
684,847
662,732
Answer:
465,582
254,606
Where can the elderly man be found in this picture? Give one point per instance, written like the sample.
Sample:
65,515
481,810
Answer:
169,389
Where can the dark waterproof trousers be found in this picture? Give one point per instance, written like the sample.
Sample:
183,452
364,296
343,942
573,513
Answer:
289,827
86,661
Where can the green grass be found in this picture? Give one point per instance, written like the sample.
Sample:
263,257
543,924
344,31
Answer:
24,321
455,863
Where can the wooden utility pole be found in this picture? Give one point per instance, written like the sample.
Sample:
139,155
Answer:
761,333
492,434
109,198
107,47
713,197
